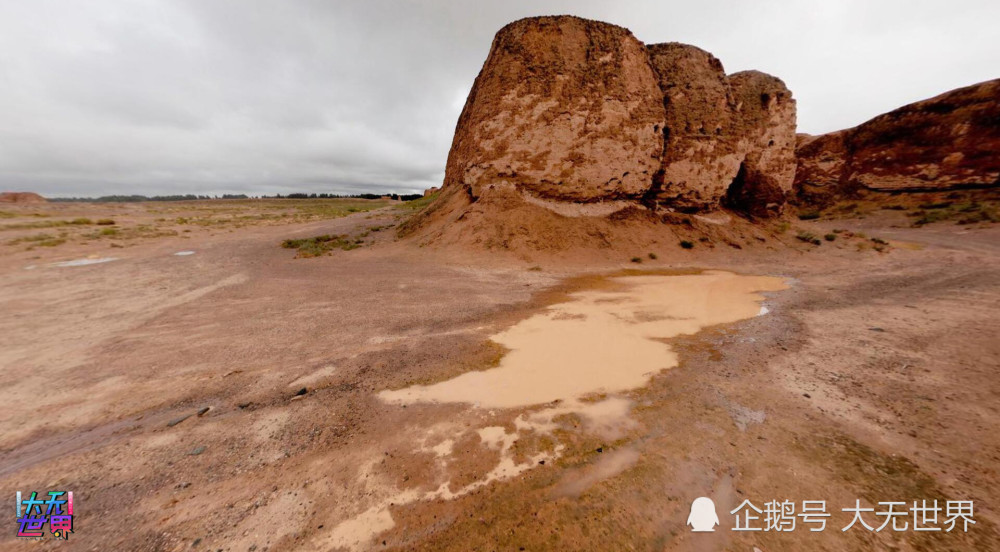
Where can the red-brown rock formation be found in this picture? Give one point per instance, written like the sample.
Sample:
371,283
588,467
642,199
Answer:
949,141
564,109
580,119
728,139
764,121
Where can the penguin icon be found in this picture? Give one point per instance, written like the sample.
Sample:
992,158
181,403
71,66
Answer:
703,518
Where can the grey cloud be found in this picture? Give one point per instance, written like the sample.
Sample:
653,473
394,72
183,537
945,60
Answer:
195,96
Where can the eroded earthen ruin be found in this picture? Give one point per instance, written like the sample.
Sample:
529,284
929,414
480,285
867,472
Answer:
568,110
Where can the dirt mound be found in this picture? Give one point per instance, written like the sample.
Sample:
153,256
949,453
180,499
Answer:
946,142
21,197
580,119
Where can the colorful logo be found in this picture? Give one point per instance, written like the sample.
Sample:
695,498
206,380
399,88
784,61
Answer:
34,513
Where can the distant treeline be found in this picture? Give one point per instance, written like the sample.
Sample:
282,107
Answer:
192,197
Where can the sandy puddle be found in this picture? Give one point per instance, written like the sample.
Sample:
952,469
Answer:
600,343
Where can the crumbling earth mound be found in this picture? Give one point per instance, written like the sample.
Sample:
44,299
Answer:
21,197
580,119
564,109
729,140
946,142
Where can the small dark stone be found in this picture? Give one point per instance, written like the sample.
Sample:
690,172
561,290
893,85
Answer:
600,449
541,462
197,451
876,329
301,392
176,421
196,542
806,395
243,405
204,410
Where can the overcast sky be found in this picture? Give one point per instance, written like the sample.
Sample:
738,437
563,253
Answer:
215,96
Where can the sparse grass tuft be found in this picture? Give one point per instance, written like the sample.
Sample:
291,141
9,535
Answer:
652,256
104,222
809,215
830,237
41,240
808,237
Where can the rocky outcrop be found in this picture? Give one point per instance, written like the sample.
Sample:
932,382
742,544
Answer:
764,121
701,155
563,109
946,142
567,110
21,197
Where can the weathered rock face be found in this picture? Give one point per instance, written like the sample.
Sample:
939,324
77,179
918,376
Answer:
765,122
700,157
950,141
729,139
571,110
21,197
564,108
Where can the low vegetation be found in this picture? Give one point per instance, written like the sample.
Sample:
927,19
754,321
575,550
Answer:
39,240
808,237
321,245
971,212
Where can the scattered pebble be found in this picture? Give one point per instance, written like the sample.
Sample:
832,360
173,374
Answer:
183,253
876,329
204,410
301,392
197,451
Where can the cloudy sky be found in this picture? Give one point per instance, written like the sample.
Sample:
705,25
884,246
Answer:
215,96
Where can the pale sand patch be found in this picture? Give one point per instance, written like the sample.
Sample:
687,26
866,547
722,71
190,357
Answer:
607,466
318,375
85,262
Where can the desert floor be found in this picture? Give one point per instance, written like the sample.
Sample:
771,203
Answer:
873,378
